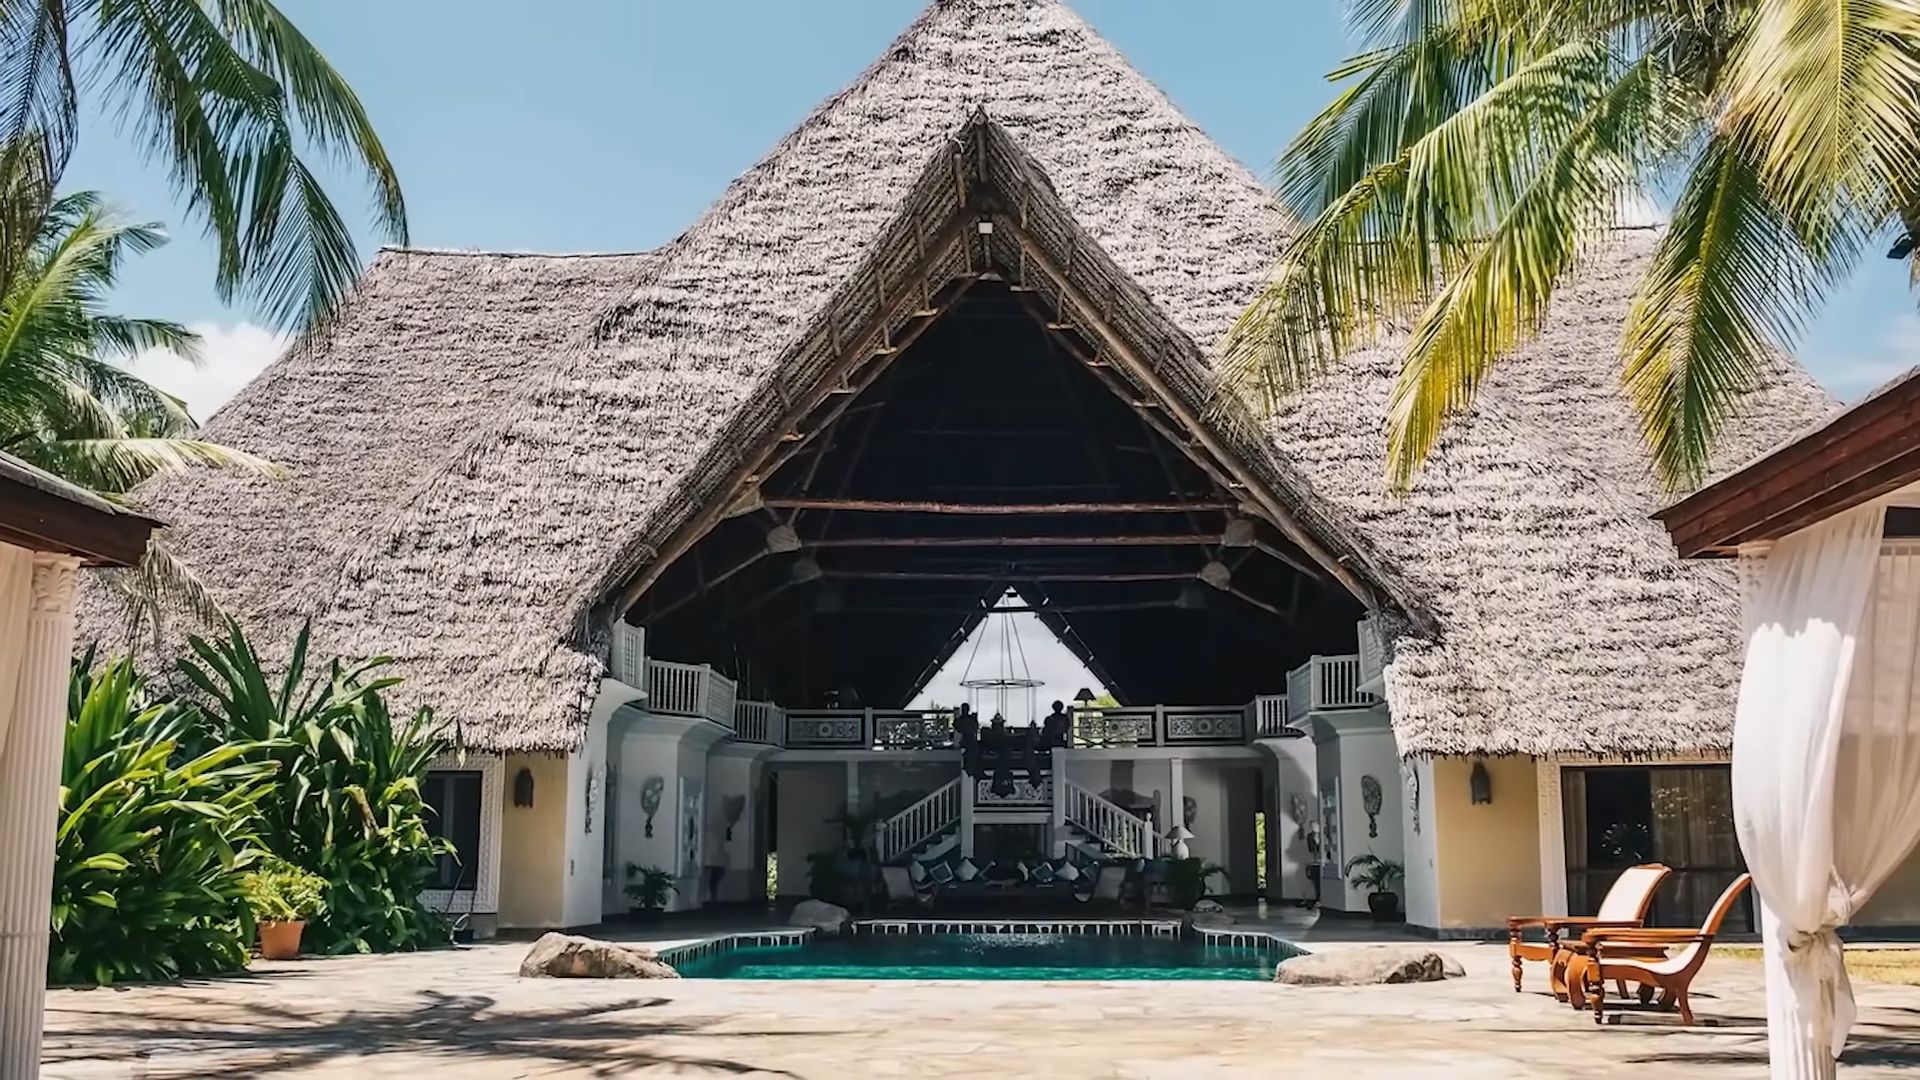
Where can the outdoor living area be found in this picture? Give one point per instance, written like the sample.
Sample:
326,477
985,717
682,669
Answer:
465,1012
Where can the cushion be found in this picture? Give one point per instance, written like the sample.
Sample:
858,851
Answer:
917,872
966,871
1067,871
1043,874
941,873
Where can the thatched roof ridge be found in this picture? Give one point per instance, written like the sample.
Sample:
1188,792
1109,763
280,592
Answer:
613,402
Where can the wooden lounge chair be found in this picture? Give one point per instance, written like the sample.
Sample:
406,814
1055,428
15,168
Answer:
1597,958
1625,906
901,890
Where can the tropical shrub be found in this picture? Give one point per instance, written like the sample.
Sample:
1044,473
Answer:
278,891
1190,880
347,804
649,886
1375,874
153,838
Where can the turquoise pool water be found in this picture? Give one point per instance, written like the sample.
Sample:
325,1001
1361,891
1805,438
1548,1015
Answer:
990,956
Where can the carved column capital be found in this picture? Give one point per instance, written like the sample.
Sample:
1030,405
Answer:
53,578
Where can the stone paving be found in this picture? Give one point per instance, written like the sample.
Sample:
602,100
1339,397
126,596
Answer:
466,1013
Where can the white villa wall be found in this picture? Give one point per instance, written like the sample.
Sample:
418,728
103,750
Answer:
809,797
1420,828
1350,746
1292,775
1226,796
734,770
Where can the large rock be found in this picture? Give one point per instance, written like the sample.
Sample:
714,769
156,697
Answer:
822,916
1366,966
565,956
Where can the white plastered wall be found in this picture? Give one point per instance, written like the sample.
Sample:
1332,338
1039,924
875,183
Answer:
1351,746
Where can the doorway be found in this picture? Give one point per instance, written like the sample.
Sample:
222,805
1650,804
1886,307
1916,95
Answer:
1680,815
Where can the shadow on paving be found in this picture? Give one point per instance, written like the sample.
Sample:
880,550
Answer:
444,1030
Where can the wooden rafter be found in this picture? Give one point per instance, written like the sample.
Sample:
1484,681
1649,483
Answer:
1035,509
1142,371
1018,541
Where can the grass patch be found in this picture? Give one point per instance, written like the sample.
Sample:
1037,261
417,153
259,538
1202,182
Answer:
1880,965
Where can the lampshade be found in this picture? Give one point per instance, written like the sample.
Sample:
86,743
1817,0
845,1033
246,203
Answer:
1179,833
1083,696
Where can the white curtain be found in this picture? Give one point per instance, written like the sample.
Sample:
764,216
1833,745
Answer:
1826,761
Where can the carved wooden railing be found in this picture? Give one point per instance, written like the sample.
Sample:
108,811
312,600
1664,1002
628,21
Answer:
690,690
1325,684
758,722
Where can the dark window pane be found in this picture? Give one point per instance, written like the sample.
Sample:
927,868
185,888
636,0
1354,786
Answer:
454,799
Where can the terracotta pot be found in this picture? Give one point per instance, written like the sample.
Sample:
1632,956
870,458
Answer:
280,940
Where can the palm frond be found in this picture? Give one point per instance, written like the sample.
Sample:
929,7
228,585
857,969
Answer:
113,466
1730,285
1497,299
161,585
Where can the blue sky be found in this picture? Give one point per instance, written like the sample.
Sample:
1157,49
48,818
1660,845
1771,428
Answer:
607,125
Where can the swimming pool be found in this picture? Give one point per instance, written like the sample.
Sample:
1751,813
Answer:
1058,954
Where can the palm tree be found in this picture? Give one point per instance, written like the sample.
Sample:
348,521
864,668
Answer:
1484,147
68,406
227,93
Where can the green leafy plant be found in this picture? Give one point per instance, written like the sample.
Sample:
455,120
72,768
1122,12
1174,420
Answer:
649,886
347,804
278,891
153,838
1375,874
1190,880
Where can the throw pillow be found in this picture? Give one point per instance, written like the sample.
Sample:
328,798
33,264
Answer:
1043,874
966,871
918,872
941,873
1067,871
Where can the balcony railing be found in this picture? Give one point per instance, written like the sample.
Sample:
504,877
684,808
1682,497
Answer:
1269,712
759,722
1326,684
690,690
869,729
1160,725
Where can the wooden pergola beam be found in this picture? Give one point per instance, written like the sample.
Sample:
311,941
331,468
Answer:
1024,541
1009,609
1031,509
1005,574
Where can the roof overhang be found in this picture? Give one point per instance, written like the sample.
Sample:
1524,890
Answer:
1865,452
41,512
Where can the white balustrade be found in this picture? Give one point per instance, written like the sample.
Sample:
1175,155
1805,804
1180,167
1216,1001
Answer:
690,690
758,722
1108,822
1326,683
1270,715
920,822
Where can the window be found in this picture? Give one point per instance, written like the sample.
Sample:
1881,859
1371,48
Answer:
1678,815
454,801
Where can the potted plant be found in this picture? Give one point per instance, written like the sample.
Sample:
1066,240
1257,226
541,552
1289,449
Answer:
1188,880
1383,879
282,897
648,887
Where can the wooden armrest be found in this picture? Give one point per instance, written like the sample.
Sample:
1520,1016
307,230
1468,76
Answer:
1645,936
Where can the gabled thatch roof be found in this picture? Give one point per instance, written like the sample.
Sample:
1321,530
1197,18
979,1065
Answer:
486,447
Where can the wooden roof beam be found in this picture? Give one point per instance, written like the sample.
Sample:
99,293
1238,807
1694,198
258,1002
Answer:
917,506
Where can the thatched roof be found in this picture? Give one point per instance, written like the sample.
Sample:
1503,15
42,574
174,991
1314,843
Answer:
487,447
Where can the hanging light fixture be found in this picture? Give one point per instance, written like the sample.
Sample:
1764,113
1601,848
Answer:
1013,674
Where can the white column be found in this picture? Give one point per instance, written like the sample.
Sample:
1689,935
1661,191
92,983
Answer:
1176,801
29,796
967,786
1058,819
1553,844
853,786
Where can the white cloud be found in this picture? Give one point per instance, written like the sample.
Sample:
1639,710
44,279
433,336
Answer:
1877,360
230,356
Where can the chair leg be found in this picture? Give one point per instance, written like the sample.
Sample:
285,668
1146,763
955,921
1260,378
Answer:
1680,999
1597,988
1620,985
1513,955
1646,993
1575,979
